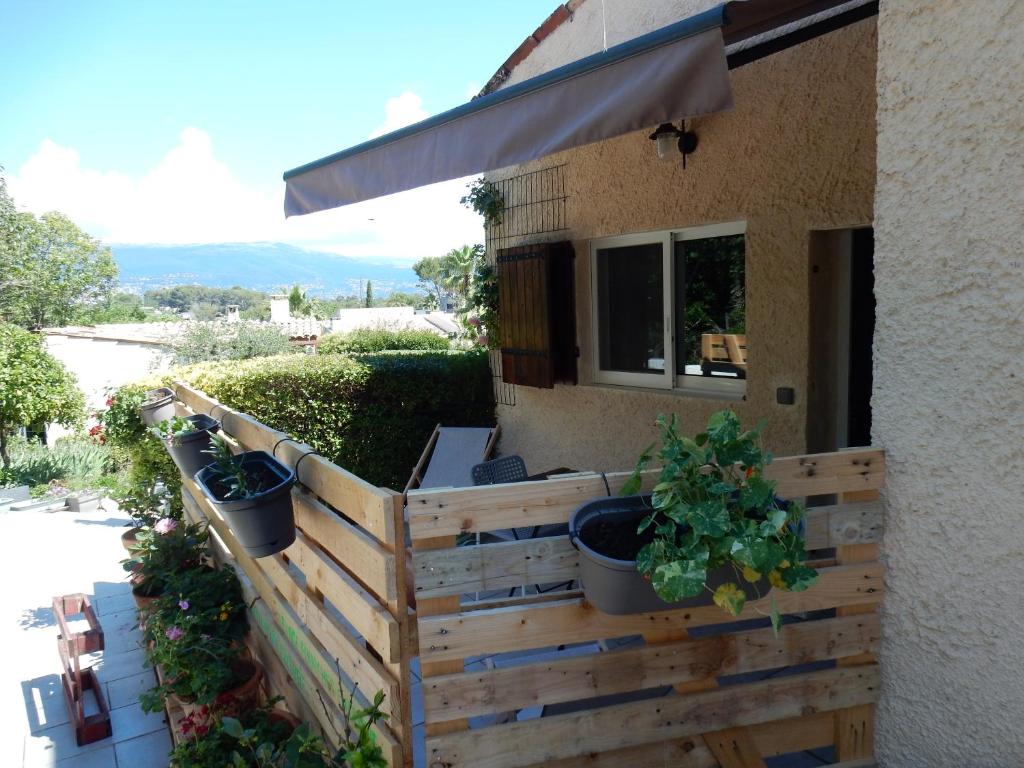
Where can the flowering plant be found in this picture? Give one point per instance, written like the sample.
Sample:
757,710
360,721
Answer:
162,552
193,632
211,743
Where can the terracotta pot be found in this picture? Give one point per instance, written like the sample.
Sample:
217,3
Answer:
242,697
130,537
142,602
285,717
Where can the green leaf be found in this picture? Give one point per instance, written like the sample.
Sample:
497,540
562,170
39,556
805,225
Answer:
762,555
678,579
709,518
232,727
730,598
797,578
650,557
776,520
757,493
723,426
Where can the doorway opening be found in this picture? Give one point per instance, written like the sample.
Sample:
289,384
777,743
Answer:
842,330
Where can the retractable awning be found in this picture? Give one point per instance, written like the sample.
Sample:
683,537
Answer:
676,72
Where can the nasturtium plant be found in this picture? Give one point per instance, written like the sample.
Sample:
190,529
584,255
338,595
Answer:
711,507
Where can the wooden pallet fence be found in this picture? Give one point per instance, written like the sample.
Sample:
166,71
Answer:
335,600
708,719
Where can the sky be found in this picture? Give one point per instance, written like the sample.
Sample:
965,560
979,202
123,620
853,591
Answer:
155,122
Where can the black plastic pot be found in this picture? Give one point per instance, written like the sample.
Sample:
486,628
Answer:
189,450
158,406
264,523
615,586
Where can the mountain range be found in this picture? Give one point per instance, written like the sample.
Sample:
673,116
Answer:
258,266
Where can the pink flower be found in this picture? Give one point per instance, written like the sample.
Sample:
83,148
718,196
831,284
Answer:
482,340
142,626
473,320
165,525
183,604
174,633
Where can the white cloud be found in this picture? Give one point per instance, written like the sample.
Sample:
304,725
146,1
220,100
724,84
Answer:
190,196
400,111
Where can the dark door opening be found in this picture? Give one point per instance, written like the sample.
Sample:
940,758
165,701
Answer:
862,334
842,329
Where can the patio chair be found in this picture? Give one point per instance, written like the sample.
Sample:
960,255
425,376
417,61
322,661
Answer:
451,453
507,469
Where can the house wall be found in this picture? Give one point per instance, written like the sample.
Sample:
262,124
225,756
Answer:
948,380
796,154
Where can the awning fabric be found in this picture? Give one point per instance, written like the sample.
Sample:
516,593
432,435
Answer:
675,72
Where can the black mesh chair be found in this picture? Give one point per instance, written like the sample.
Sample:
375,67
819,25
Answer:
507,469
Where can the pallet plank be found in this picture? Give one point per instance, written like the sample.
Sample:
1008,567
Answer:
367,559
646,722
456,636
553,559
450,511
360,501
574,678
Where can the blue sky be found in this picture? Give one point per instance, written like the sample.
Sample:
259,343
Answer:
107,109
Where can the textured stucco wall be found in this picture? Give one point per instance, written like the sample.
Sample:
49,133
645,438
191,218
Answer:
949,380
796,154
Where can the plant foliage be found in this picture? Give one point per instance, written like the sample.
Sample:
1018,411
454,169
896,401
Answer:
363,340
713,506
486,199
34,387
371,414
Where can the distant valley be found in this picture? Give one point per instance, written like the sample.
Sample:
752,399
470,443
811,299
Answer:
259,266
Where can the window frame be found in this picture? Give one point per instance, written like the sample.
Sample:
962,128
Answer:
689,384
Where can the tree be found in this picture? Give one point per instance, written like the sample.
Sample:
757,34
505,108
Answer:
369,293
34,386
296,301
55,269
13,249
428,270
457,267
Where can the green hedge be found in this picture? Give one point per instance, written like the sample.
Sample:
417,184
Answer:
380,340
371,414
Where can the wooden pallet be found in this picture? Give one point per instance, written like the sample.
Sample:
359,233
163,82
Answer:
708,720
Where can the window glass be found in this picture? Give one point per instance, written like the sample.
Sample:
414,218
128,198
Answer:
631,312
710,307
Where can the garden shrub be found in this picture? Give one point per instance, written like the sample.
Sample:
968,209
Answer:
77,462
371,414
364,340
231,341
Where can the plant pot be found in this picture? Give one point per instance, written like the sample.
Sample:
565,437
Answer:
158,406
232,702
614,585
142,601
130,538
189,450
265,522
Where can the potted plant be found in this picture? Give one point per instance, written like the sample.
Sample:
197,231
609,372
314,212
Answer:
252,492
255,741
213,742
157,406
187,440
160,554
138,501
194,634
711,531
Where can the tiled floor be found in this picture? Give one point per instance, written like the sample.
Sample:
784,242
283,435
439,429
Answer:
60,553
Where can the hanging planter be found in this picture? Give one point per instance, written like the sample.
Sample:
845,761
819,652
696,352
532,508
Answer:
605,533
158,406
188,440
712,530
252,492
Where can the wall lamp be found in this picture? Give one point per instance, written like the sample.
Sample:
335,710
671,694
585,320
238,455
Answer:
669,140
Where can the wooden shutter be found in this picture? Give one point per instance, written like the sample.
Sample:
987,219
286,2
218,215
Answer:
538,315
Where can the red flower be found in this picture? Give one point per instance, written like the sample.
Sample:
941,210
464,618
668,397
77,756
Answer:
110,402
202,729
